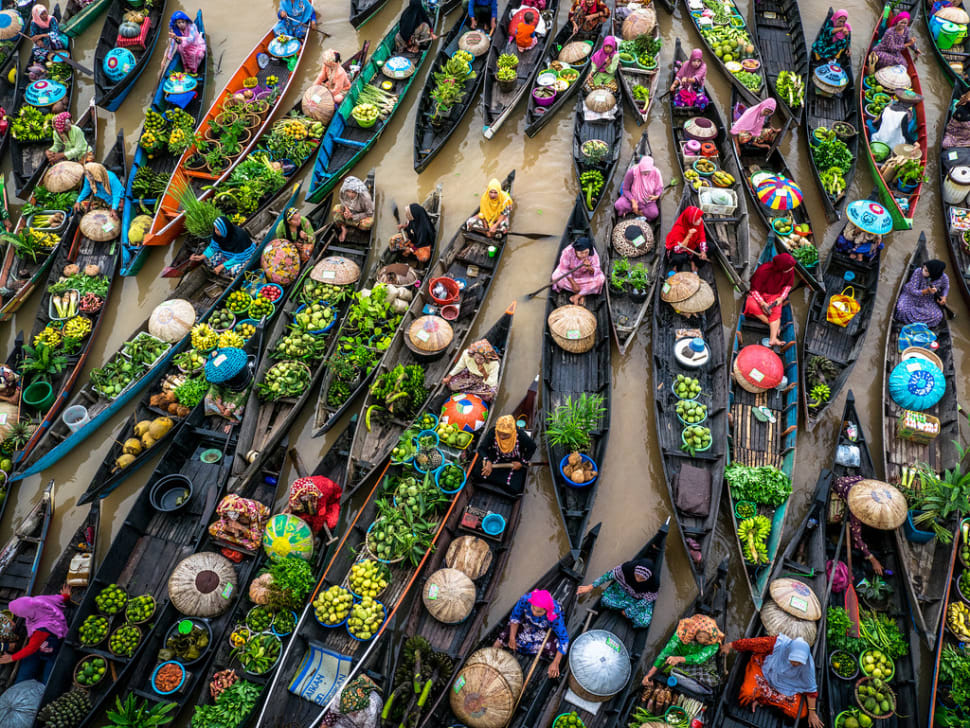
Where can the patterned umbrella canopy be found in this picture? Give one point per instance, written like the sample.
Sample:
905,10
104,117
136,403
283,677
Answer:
777,192
870,216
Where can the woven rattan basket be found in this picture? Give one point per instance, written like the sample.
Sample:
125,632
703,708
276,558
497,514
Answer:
573,328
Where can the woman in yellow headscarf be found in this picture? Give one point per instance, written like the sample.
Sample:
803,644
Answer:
494,211
503,455
691,651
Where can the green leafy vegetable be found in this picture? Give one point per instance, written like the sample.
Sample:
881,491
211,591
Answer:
766,484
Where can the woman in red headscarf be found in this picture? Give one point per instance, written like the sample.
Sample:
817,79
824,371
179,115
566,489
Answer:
316,500
687,240
770,286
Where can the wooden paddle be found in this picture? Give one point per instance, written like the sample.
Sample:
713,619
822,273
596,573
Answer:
324,33
553,282
851,598
508,466
532,669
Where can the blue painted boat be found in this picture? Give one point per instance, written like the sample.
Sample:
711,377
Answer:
133,256
108,92
199,287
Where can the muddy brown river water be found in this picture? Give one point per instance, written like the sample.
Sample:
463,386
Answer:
632,500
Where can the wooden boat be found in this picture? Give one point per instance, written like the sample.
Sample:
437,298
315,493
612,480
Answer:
777,31
333,402
9,92
497,103
147,546
84,542
19,276
566,376
373,445
754,442
669,327
628,307
20,560
632,76
608,131
440,644
953,61
728,229
160,162
771,161
840,694
363,10
634,638
82,252
108,93
923,563
901,205
826,112
738,22
840,346
169,220
346,142
204,290
433,127
536,116
711,602
78,18
955,241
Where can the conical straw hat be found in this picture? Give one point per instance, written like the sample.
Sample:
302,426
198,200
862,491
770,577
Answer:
776,622
485,691
679,287
701,300
893,77
470,555
573,328
954,15
877,504
796,598
449,595
335,270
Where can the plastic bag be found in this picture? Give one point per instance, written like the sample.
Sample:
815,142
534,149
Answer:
20,703
848,456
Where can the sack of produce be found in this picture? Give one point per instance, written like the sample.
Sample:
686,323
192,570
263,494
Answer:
318,104
640,22
280,262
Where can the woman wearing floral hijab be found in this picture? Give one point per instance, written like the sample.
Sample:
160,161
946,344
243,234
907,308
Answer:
69,141
476,372
535,614
835,39
691,649
355,208
44,34
632,589
895,39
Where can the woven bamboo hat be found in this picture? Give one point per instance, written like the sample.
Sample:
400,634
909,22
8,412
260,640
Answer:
776,621
475,42
63,176
679,287
893,77
701,300
449,595
198,584
796,598
486,690
399,274
335,270
171,320
600,100
627,232
100,225
470,555
907,96
907,151
430,334
700,128
954,15
575,52
877,504
573,328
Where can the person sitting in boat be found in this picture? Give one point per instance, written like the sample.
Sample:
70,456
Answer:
859,245
240,521
579,271
44,33
415,31
780,674
686,243
354,208
896,125
518,14
69,141
416,235
297,229
101,189
9,385
186,40
296,17
46,625
692,649
603,64
841,487
641,190
316,500
753,128
476,371
924,295
588,15
896,39
770,286
525,34
229,249
535,614
834,42
633,588
333,76
483,14
957,131
692,73
503,456
494,211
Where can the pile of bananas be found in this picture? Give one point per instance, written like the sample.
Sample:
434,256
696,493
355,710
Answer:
45,240
958,620
722,179
694,179
230,339
753,534
77,328
48,336
291,129
204,337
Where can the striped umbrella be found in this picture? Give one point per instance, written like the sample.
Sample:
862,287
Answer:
777,192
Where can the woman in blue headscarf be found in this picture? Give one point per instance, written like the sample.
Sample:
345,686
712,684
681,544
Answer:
295,17
186,40
229,249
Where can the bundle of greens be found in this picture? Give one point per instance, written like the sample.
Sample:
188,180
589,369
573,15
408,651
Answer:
231,707
400,391
199,216
449,90
252,181
790,88
766,484
832,153
838,628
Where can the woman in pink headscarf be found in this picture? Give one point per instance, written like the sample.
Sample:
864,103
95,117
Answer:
44,33
579,271
641,190
604,63
69,141
752,127
532,616
834,40
692,72
46,626
333,76
889,50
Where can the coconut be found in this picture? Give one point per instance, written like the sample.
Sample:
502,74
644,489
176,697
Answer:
63,176
318,104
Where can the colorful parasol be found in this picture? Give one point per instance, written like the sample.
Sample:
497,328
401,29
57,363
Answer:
777,192
870,216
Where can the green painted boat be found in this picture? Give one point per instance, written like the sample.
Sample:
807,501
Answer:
77,19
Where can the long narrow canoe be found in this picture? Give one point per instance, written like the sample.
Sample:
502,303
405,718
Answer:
169,220
204,290
498,104
634,76
82,252
825,111
346,142
83,544
777,31
110,93
772,442
9,92
567,376
923,563
78,18
953,219
363,10
954,60
160,162
901,205
609,131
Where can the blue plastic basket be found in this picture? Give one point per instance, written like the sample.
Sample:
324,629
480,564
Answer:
376,631
296,620
333,319
437,474
177,687
572,483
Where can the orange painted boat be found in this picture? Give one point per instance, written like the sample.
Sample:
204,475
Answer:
169,219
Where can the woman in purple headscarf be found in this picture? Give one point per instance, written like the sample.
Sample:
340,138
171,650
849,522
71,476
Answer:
604,62
834,40
889,50
46,626
642,186
692,72
753,127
